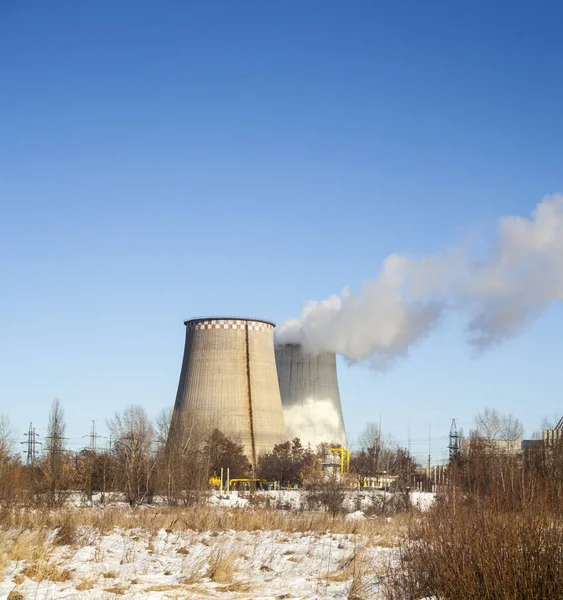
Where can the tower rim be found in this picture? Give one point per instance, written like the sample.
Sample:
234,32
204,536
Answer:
228,318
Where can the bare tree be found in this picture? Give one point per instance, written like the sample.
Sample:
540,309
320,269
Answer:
7,438
511,428
133,434
370,436
7,441
163,422
185,476
378,449
55,445
491,425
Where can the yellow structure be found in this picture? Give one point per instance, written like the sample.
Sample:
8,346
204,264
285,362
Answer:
251,483
344,459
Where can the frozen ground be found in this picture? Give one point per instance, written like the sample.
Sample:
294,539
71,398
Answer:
261,564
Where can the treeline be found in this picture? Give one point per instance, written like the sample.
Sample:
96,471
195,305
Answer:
496,528
143,459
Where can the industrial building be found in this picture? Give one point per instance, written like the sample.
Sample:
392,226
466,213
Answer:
228,381
310,396
553,437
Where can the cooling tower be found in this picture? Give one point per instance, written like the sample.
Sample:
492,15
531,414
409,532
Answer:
228,381
310,395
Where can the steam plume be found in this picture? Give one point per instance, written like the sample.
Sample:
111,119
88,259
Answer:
499,297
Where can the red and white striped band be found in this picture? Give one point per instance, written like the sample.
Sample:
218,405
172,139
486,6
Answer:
228,324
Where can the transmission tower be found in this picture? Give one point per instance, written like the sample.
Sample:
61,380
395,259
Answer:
454,445
93,436
31,443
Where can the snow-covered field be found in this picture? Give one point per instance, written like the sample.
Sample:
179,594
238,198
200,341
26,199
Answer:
178,562
259,564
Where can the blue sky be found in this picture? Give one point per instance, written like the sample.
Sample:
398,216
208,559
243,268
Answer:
165,160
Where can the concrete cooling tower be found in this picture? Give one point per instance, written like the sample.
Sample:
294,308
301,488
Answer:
228,381
310,395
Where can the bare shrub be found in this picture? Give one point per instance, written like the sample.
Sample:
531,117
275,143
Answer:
385,503
470,551
326,491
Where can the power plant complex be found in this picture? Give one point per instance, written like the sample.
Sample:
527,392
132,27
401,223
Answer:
232,379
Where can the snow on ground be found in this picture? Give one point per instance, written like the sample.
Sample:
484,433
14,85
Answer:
358,500
422,500
266,565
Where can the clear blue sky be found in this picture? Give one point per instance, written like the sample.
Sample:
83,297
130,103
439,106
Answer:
160,160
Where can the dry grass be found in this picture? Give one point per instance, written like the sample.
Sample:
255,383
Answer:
31,547
119,590
388,532
197,518
346,569
20,544
42,570
222,566
14,595
239,587
163,587
66,533
192,591
86,584
196,573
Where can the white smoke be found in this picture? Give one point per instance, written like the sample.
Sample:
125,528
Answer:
314,422
499,297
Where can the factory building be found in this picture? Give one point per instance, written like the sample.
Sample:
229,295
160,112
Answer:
310,395
228,381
